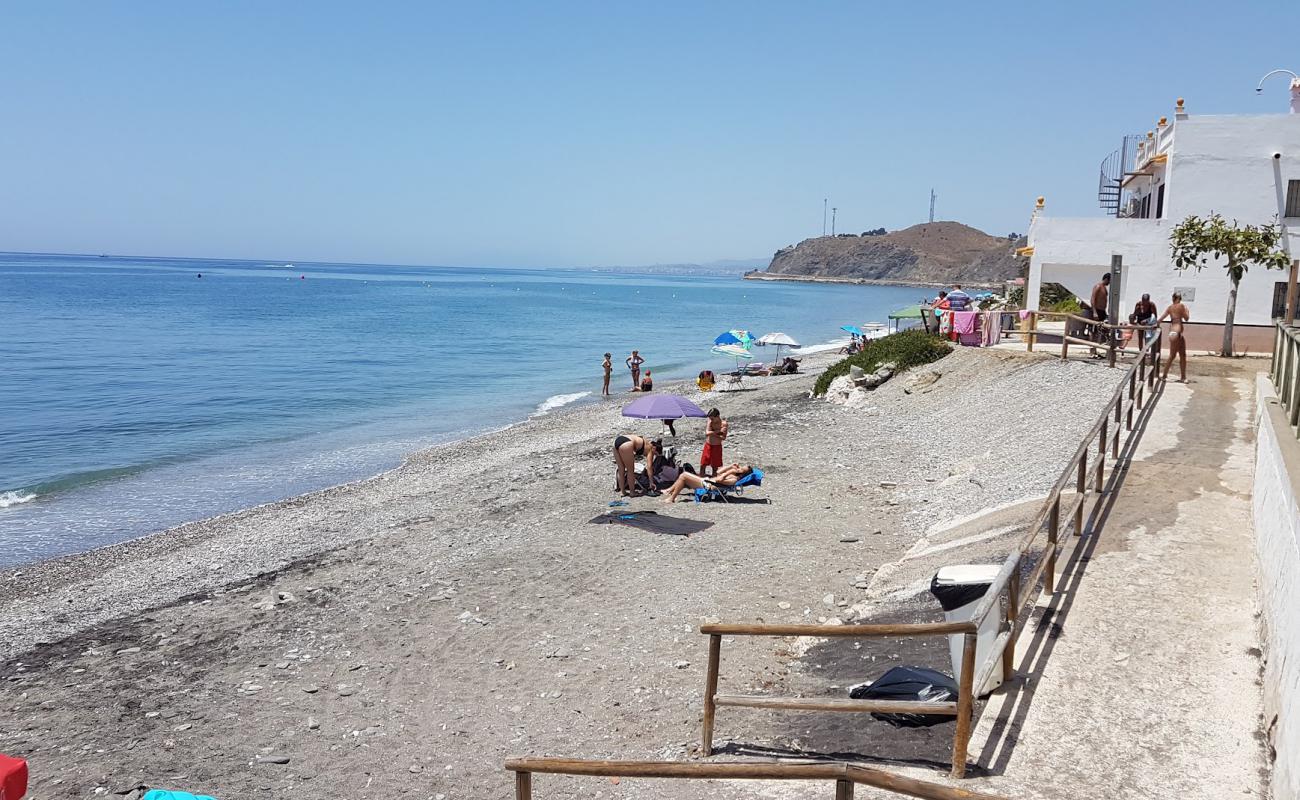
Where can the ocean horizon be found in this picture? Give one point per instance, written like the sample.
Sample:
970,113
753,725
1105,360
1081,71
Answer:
141,393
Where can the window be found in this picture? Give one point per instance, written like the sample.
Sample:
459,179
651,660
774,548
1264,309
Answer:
1292,199
1279,295
1160,202
1145,213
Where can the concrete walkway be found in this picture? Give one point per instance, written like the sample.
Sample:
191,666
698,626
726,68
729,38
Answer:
1141,679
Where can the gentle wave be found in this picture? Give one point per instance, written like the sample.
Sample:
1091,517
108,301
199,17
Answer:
15,498
556,401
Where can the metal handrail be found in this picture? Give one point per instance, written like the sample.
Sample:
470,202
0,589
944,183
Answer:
1285,373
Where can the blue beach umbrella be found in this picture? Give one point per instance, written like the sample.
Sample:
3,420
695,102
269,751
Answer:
854,329
737,337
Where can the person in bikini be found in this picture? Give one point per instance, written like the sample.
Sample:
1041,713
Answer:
1178,315
727,476
714,432
626,450
608,366
634,363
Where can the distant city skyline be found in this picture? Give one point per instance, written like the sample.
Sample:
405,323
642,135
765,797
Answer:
579,134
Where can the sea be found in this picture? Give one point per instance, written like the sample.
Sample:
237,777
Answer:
137,394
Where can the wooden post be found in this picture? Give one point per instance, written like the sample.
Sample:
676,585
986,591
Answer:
1065,341
1033,330
965,707
1013,613
843,790
1101,454
1053,533
523,786
1132,399
710,690
1289,318
1082,488
1110,347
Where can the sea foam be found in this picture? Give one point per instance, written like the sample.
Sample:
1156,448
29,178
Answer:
556,401
15,498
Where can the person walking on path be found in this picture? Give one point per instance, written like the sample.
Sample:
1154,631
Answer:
714,432
608,366
1177,314
634,363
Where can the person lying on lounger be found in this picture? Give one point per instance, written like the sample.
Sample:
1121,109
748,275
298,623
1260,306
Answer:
727,476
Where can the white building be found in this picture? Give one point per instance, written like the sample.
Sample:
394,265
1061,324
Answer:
1243,167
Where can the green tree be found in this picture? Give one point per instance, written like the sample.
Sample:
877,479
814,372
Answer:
1195,239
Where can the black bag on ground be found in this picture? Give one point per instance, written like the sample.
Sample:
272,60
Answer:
910,683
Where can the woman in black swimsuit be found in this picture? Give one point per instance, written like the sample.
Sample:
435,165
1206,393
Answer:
626,450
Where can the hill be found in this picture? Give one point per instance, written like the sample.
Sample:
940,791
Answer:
932,252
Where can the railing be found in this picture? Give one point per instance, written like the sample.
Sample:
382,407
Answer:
844,775
1110,191
1074,322
1053,517
1285,373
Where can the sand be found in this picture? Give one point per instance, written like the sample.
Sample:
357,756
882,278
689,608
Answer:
401,636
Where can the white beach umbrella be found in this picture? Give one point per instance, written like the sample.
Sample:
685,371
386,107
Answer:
779,339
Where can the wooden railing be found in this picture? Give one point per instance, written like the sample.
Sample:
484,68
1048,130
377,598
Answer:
1108,342
1133,393
1285,373
846,776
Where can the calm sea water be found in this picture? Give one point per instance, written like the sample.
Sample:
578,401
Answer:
135,395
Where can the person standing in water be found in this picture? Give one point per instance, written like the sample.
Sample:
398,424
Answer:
634,363
608,366
1178,315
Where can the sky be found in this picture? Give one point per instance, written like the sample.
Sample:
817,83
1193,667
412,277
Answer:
582,134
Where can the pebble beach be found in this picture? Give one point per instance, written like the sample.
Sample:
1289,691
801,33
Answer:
402,635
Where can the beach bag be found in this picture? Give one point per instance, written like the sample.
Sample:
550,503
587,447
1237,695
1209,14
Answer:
13,778
909,683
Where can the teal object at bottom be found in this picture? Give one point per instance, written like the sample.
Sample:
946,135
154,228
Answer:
165,794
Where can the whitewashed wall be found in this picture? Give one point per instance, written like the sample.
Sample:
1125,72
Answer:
1277,532
1216,163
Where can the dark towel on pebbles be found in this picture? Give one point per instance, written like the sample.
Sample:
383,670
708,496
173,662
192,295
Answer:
653,522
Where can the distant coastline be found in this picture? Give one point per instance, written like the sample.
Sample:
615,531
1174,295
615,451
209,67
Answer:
768,276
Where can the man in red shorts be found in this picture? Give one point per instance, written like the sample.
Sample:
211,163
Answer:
714,433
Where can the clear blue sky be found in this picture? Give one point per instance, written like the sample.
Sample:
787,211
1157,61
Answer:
580,134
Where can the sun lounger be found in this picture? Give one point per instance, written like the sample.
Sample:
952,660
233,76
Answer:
719,492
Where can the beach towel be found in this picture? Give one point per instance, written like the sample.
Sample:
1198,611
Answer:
13,778
653,522
964,321
165,794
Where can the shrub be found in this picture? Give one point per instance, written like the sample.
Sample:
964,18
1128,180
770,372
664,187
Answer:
905,349
1069,305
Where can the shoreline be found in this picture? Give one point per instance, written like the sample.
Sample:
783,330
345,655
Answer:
583,400
70,570
768,276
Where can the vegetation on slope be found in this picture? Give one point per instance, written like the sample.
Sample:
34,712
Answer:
905,350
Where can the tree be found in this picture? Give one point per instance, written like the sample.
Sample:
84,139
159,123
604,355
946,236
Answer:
1195,239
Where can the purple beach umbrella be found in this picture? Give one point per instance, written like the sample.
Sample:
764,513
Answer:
662,406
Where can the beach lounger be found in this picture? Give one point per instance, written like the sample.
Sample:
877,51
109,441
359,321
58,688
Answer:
717,492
